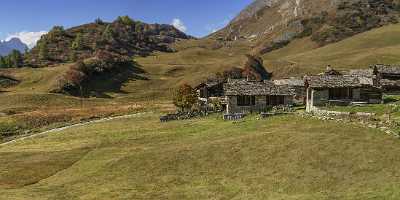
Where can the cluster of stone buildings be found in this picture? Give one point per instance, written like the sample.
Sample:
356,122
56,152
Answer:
329,88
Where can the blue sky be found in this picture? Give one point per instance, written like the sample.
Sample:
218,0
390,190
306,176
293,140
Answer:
28,19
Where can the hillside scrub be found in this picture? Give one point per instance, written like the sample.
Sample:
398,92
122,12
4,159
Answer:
350,19
123,36
13,60
82,73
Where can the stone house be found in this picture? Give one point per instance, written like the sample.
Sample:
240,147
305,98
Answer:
322,90
243,96
210,89
388,78
297,86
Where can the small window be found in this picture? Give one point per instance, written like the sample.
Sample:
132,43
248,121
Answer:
246,100
275,100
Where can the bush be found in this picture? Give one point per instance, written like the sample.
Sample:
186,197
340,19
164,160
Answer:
184,97
75,79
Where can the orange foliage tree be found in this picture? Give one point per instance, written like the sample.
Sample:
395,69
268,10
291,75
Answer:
184,97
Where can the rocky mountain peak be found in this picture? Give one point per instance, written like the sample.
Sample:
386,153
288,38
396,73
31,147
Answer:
6,47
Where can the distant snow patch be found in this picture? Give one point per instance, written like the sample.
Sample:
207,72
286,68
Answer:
29,38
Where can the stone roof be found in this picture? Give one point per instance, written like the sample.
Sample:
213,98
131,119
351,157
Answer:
290,82
254,88
338,81
386,83
362,72
387,69
208,84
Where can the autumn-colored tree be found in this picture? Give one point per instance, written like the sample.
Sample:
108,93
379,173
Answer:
75,77
184,97
77,44
107,34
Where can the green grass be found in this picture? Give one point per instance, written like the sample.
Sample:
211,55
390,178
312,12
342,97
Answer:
284,157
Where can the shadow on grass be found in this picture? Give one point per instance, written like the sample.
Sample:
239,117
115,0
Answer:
110,82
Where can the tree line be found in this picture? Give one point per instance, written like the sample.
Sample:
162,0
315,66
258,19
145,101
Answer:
14,60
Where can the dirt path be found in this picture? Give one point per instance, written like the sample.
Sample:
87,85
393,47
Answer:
71,126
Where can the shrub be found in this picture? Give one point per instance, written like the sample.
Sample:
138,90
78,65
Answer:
184,97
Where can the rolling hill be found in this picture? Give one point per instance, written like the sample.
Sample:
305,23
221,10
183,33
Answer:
123,36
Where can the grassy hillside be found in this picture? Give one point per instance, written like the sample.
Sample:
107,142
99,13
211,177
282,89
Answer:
141,158
122,36
197,59
302,56
194,62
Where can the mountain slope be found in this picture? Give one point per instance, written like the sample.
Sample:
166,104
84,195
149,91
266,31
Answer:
271,24
303,56
6,47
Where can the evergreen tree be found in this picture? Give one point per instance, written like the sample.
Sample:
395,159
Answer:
43,51
16,59
126,20
2,62
73,56
77,44
107,35
98,21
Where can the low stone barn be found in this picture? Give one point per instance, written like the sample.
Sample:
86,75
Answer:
210,89
388,77
325,90
297,86
244,96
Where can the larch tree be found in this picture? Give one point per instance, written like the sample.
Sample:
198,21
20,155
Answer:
184,97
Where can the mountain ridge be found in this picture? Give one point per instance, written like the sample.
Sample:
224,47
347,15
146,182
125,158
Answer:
6,47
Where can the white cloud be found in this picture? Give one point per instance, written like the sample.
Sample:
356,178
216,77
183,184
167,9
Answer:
29,38
177,23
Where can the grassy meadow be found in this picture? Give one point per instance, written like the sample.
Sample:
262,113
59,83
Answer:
207,158
285,157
